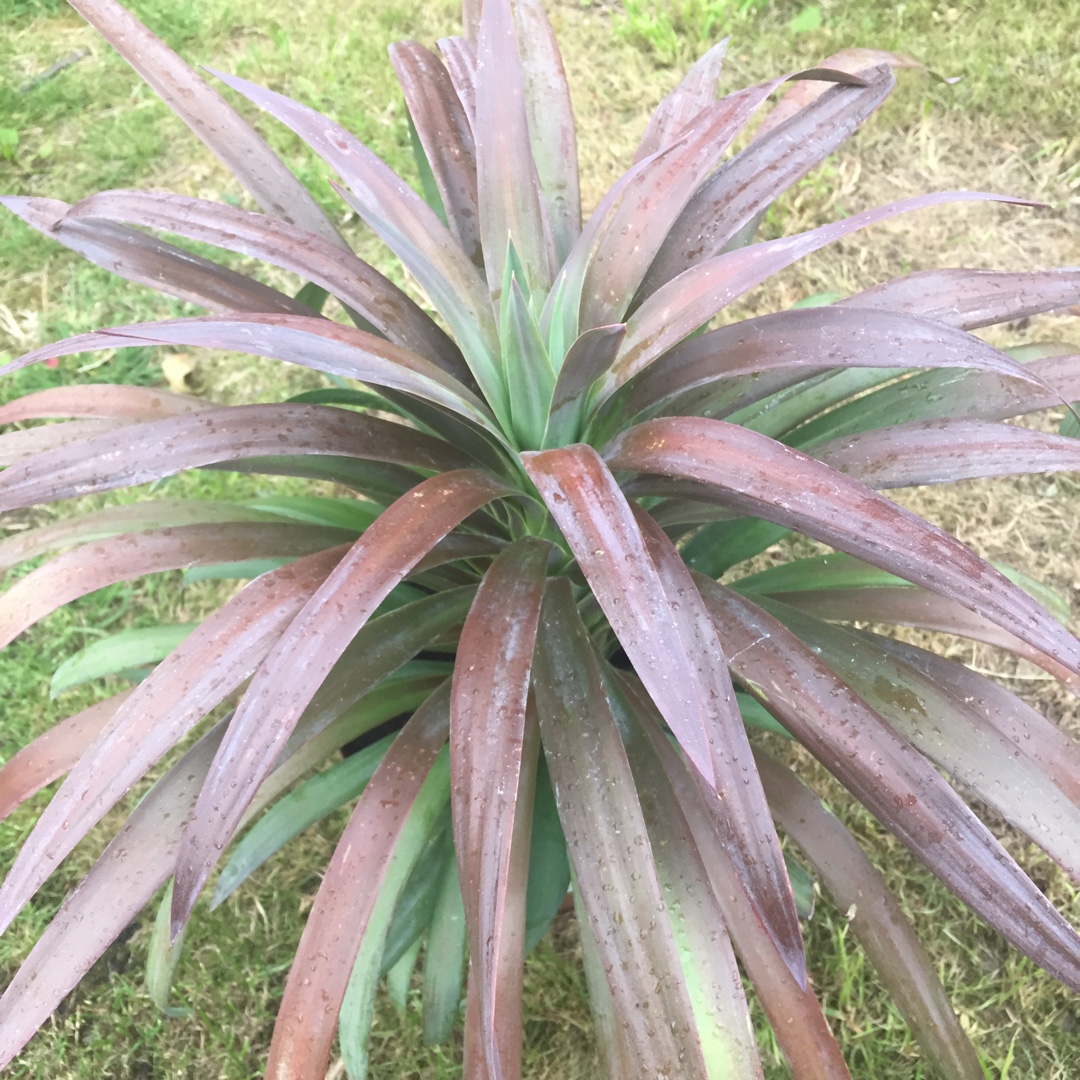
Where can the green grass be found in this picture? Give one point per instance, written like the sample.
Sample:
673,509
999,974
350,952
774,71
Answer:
95,126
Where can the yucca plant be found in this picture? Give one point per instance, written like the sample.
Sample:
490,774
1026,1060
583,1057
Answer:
513,605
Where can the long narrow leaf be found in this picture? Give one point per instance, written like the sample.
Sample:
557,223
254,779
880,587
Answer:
969,299
899,786
146,260
953,734
405,223
508,186
53,752
192,681
305,654
446,134
209,116
754,474
139,454
314,258
696,91
493,748
113,402
792,1009
654,609
316,343
708,961
609,847
690,300
130,870
552,133
350,890
122,558
118,653
804,341
744,187
876,919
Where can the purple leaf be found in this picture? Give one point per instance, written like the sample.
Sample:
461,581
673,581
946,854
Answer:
690,300
137,455
236,144
646,592
305,654
122,881
609,846
137,517
53,752
969,299
744,187
512,209
101,400
146,260
907,605
753,474
30,442
446,134
196,677
676,112
493,753
122,558
551,123
335,268
943,451
585,361
899,786
793,1011
348,894
1052,750
876,919
952,733
805,341
459,56
406,224
316,343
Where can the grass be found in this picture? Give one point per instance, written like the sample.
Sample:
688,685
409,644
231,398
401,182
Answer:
1008,124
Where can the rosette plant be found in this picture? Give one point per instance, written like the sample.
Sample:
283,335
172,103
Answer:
514,600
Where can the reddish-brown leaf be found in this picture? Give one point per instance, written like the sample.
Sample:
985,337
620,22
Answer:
121,558
149,451
305,654
446,134
755,475
943,451
197,676
895,782
101,400
315,258
347,895
493,750
147,260
646,592
210,117
53,752
876,919
609,846
128,873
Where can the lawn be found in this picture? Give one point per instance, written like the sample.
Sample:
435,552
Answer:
1007,124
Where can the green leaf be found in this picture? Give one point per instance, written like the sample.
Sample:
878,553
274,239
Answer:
530,378
427,178
118,652
428,814
311,801
802,885
245,570
399,977
1070,425
444,959
163,957
313,296
549,863
353,514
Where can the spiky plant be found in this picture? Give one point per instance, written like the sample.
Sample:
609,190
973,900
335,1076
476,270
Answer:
539,488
